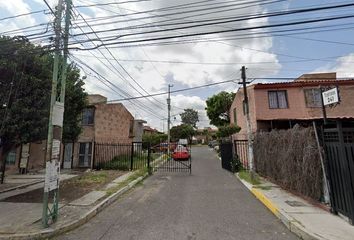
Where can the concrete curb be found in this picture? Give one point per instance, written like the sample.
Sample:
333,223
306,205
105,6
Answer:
50,232
291,223
21,186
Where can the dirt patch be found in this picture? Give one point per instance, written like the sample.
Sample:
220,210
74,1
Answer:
73,188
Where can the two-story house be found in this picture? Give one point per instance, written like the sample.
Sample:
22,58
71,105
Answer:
102,122
284,104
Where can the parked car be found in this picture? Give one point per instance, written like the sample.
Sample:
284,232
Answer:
213,143
181,153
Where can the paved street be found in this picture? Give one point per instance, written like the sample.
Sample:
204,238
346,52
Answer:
209,204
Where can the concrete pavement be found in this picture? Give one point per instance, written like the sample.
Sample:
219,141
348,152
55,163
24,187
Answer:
209,204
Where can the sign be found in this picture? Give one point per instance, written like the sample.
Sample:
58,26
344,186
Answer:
55,149
58,114
51,181
24,155
330,96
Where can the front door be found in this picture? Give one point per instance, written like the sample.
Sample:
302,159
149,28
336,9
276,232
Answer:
85,154
68,154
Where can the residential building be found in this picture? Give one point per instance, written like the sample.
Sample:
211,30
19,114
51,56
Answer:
150,130
138,130
203,136
284,104
102,122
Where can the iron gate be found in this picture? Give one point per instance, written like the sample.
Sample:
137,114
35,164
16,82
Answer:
226,155
171,157
241,151
339,149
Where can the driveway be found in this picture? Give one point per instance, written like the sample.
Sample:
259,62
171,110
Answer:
209,204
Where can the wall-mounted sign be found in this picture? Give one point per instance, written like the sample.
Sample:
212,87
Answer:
330,96
24,155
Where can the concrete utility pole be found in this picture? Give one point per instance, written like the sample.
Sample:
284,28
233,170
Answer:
169,118
249,129
56,115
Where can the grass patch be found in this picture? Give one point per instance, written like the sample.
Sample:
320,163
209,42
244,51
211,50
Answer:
245,175
124,183
92,177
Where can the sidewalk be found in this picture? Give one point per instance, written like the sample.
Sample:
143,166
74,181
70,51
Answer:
302,218
21,220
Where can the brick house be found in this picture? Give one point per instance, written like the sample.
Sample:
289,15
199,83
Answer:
102,122
282,105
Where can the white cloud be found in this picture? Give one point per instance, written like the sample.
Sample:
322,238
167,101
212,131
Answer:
344,66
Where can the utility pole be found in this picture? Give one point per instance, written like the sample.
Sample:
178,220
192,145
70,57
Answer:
249,129
169,119
56,114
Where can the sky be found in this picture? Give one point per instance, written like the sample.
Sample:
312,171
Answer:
124,68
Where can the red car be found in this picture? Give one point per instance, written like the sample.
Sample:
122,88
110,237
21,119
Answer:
181,153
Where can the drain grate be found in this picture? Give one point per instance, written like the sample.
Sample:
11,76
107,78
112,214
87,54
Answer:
295,203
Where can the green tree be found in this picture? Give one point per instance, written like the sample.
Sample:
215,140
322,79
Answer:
25,87
190,117
227,131
218,107
183,131
154,138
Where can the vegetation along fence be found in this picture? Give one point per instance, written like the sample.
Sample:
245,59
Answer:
127,156
241,151
291,159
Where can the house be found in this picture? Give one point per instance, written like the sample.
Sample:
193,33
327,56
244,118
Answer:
284,104
204,135
138,130
102,122
149,130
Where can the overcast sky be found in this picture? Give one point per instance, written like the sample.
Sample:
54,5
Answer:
143,68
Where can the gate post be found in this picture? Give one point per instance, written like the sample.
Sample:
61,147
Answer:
149,159
132,157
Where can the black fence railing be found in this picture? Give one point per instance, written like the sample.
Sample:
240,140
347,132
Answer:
241,150
126,156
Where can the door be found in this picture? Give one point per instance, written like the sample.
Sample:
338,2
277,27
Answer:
85,154
68,154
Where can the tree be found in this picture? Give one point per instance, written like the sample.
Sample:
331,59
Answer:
25,88
227,131
154,138
190,117
183,131
218,107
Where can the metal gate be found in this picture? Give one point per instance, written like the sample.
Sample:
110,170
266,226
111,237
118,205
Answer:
241,150
226,155
171,158
339,149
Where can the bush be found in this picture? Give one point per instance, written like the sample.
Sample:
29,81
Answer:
236,164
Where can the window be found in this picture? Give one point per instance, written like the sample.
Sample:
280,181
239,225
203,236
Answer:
313,97
11,157
88,116
235,116
277,99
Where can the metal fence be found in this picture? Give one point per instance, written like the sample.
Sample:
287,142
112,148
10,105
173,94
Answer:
127,156
339,149
241,150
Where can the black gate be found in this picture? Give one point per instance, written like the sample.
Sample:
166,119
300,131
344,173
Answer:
226,155
339,149
171,157
241,150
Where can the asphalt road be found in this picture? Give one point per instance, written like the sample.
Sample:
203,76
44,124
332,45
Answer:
209,204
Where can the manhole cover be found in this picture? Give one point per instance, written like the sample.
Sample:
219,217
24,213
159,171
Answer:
295,203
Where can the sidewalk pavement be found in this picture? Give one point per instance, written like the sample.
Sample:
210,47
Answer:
23,220
307,221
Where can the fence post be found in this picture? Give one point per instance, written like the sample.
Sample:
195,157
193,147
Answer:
149,159
132,157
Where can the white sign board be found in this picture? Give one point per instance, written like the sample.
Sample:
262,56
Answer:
24,155
58,114
330,96
51,176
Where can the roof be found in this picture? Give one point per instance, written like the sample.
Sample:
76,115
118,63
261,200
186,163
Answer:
307,83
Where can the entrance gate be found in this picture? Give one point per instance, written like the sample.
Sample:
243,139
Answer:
339,149
171,158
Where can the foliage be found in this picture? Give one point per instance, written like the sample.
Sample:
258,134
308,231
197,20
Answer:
291,159
190,117
236,164
227,131
182,131
25,81
245,175
218,108
153,138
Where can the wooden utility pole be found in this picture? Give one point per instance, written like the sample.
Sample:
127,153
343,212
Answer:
249,128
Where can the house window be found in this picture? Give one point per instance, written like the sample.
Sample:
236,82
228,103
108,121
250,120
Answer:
88,116
235,116
11,157
85,154
313,97
277,99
